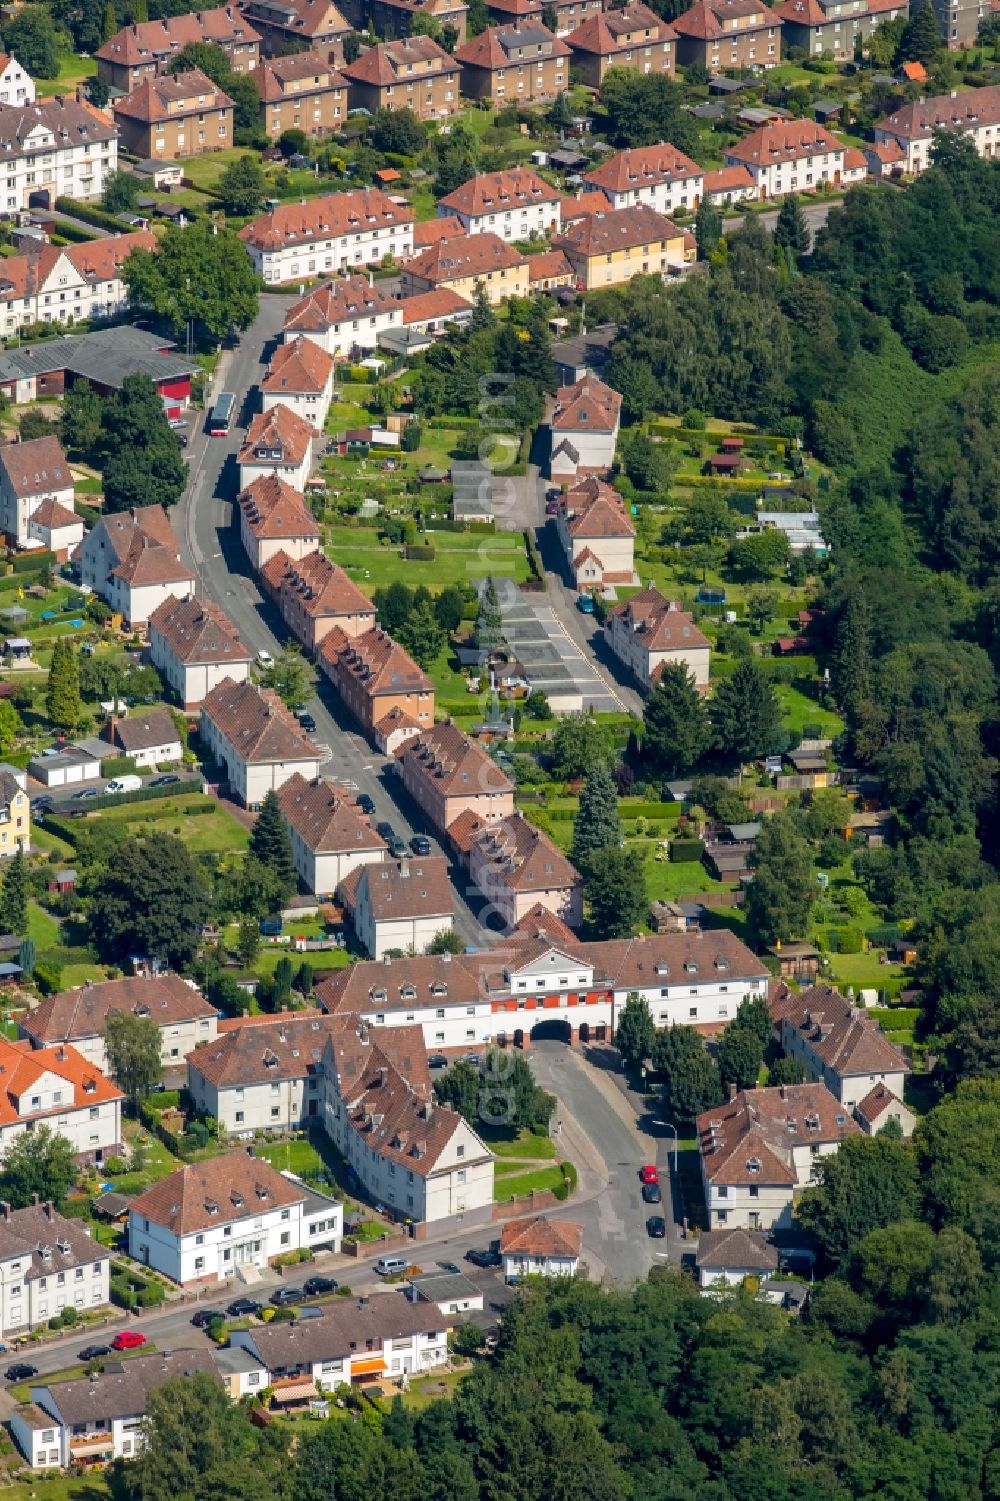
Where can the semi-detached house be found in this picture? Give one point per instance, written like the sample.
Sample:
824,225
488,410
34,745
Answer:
515,64
344,315
330,836
338,232
447,773
280,443
596,534
514,204
838,1043
166,119
632,37
911,128
648,631
399,906
608,249
147,49
380,685
413,73
178,1009
274,518
722,34
792,156
30,474
583,429
60,1088
303,91
59,147
60,284
132,559
250,734
315,596
300,375
517,867
464,266
47,1263
264,1076
193,646
661,177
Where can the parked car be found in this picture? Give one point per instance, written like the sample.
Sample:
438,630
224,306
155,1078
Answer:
365,804
94,1352
87,792
242,1308
473,1059
306,721
204,1317
264,658
585,604
420,844
123,784
165,781
385,830
437,1060
282,1296
318,1285
449,1266
651,1193
397,847
128,1339
483,1258
21,1371
648,1174
656,1227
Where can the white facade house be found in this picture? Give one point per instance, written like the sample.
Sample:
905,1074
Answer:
791,156
974,112
204,1221
399,906
279,444
47,1263
356,1341
539,1247
31,473
515,204
58,1087
185,1019
648,631
726,1258
762,1147
62,284
17,87
150,740
132,559
838,1044
274,518
54,148
300,376
194,647
330,836
661,177
248,731
263,1075
596,535
344,315
321,236
583,429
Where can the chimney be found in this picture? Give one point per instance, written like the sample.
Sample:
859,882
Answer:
784,1093
35,1200
50,1210
5,1209
250,1151
733,1091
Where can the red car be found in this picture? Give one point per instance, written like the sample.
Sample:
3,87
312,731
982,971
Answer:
648,1174
129,1339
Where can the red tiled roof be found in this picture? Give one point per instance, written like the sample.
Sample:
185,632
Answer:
74,1015
643,166
272,508
338,301
196,631
618,229
256,724
220,1191
785,141
326,817
727,179
408,57
157,41
36,467
548,265
541,1237
324,588
454,761
376,662
660,623
273,74
587,406
457,259
22,1066
583,204
335,214
489,192
707,19
614,30
281,429
441,302
172,98
966,110
594,509
750,1139
300,367
429,231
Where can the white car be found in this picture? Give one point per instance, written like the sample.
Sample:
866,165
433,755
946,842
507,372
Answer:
264,658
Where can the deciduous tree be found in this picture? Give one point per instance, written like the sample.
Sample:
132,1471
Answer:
242,186
635,1030
40,1164
199,274
152,901
133,1046
780,894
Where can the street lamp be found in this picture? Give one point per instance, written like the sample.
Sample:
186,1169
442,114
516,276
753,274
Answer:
676,1145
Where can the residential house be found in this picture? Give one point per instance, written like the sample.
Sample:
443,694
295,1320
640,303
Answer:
133,561
421,1159
438,995
380,685
146,49
47,1263
413,72
345,315
661,177
303,91
596,535
515,204
357,1342
837,1043
729,185
648,631
791,156
79,1017
150,740
517,867
464,266
278,444
286,26
274,519
57,528
17,87
429,312
539,1247
548,270
607,249
263,1076
879,1107
60,284
60,1088
830,28
193,646
447,774
185,114
15,814
721,34
633,37
726,1258
519,63
399,906
240,1374
583,428
960,21
52,148
300,377
314,596
203,1222
31,473
329,834
259,744
762,1146
91,1420
407,17
338,232
429,231
911,128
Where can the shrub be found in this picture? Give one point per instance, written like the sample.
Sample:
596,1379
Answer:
682,850
343,1291
851,941
466,1339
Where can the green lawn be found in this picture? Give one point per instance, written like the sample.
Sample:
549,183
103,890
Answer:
459,557
299,1157
216,831
514,1185
526,1144
43,929
73,69
798,709
864,971
59,1488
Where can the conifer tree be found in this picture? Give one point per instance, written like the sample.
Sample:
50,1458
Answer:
14,898
851,663
62,693
598,827
791,230
270,843
489,623
676,724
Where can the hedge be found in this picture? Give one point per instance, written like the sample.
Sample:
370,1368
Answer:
32,562
66,827
91,215
415,552
683,851
118,766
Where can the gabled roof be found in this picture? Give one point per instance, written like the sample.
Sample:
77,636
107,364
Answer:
498,46
735,1251
124,1392
538,1236
323,589
299,18
332,216
523,858
750,1139
256,724
427,979
340,301
21,1067
497,192
786,141
273,508
588,406
726,179
51,515
46,1241
660,623
875,1104
458,259
144,543
140,732
326,817
409,57
709,19
36,467
968,110
298,368
618,229
291,1049
429,231
614,30
453,761
172,97
68,119
221,1191
158,41
309,72
281,431
349,1328
547,265
376,662
398,890
196,631
441,302
842,1036
593,509
77,1015
643,167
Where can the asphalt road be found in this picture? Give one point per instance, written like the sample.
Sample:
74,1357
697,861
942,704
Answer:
210,542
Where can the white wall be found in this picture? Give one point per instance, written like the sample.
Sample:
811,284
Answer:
294,474
300,262
194,681
65,169
27,1303
798,176
252,782
323,872
93,1131
664,197
216,1251
517,223
16,511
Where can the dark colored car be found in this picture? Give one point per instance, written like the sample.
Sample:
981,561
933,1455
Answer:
307,722
94,1352
420,844
449,1266
651,1193
204,1317
282,1296
21,1372
242,1308
483,1258
86,793
385,831
365,804
165,781
656,1226
437,1060
317,1285
397,847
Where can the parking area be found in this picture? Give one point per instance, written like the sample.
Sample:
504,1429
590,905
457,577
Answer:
553,662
